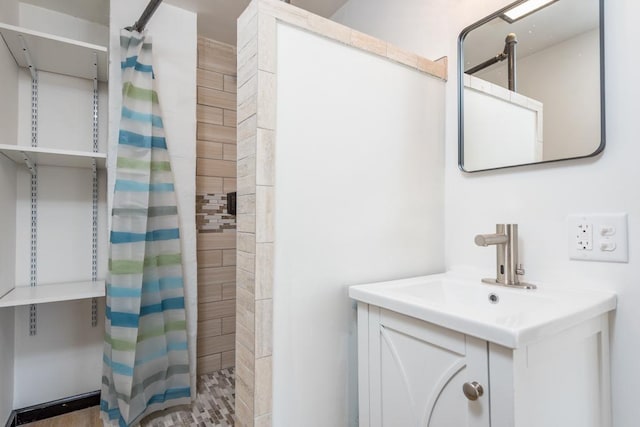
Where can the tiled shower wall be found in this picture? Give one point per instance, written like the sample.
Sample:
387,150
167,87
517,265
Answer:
215,177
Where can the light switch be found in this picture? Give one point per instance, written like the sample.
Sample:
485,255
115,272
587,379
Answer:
598,237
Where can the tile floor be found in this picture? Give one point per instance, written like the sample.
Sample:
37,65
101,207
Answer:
213,407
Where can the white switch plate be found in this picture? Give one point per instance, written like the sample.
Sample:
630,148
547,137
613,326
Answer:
601,237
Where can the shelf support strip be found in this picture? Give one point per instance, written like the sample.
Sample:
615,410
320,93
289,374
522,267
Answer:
33,275
94,219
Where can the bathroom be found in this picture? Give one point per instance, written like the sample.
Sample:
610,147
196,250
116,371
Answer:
440,214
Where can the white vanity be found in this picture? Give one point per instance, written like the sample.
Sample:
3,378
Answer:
445,350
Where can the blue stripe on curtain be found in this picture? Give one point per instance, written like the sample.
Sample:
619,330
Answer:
143,141
141,117
151,236
151,354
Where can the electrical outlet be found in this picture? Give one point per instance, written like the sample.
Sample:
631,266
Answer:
598,237
584,236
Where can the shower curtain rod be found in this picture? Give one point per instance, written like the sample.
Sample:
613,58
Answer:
146,16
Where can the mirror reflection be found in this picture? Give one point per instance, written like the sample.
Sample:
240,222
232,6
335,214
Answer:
530,85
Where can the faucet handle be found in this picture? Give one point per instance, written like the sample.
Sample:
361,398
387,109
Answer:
520,270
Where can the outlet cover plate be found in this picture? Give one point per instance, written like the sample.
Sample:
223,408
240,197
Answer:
609,237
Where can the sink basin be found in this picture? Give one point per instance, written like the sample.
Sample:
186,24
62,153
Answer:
509,317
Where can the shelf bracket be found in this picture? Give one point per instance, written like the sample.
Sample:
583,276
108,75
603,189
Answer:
27,56
30,164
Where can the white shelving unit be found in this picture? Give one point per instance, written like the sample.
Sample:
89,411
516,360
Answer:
53,157
56,292
37,51
56,54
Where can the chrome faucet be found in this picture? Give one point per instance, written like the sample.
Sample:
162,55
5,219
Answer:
507,268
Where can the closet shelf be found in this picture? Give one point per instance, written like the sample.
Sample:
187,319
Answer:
26,295
56,54
53,156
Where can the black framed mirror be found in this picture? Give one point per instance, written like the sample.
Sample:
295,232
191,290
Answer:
531,85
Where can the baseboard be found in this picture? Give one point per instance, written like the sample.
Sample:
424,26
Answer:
53,409
11,422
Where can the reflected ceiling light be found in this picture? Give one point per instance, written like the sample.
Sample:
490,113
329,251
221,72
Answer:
525,9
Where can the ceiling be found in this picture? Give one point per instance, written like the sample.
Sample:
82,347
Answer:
216,18
555,23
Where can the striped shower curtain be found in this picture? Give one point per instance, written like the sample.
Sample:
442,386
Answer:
146,360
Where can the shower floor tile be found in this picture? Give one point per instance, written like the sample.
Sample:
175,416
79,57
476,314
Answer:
213,407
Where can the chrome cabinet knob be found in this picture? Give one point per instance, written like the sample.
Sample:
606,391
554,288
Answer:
472,390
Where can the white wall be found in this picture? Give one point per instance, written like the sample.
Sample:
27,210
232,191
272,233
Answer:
174,33
540,197
359,172
9,132
563,77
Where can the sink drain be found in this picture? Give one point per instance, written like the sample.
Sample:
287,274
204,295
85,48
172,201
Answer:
493,298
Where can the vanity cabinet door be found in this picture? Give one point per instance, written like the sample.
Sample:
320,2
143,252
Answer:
417,371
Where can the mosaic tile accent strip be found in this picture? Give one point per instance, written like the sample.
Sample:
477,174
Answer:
213,407
212,215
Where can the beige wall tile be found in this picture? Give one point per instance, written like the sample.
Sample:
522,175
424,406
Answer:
264,271
247,26
209,292
229,325
213,167
208,364
246,261
263,421
245,357
247,129
219,344
216,310
208,241
216,98
247,69
207,114
264,328
229,291
244,336
216,56
229,185
437,69
209,259
263,386
245,315
229,152
402,56
245,280
208,185
246,241
267,41
246,204
228,359
246,223
368,43
229,257
209,150
246,185
247,98
266,100
265,202
218,275
265,157
243,413
231,83
245,383
247,147
329,28
230,118
210,79
216,133
246,166
210,328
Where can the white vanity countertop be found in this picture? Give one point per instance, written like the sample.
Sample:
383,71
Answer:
456,302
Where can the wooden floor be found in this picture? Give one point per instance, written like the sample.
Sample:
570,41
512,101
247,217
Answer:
89,417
